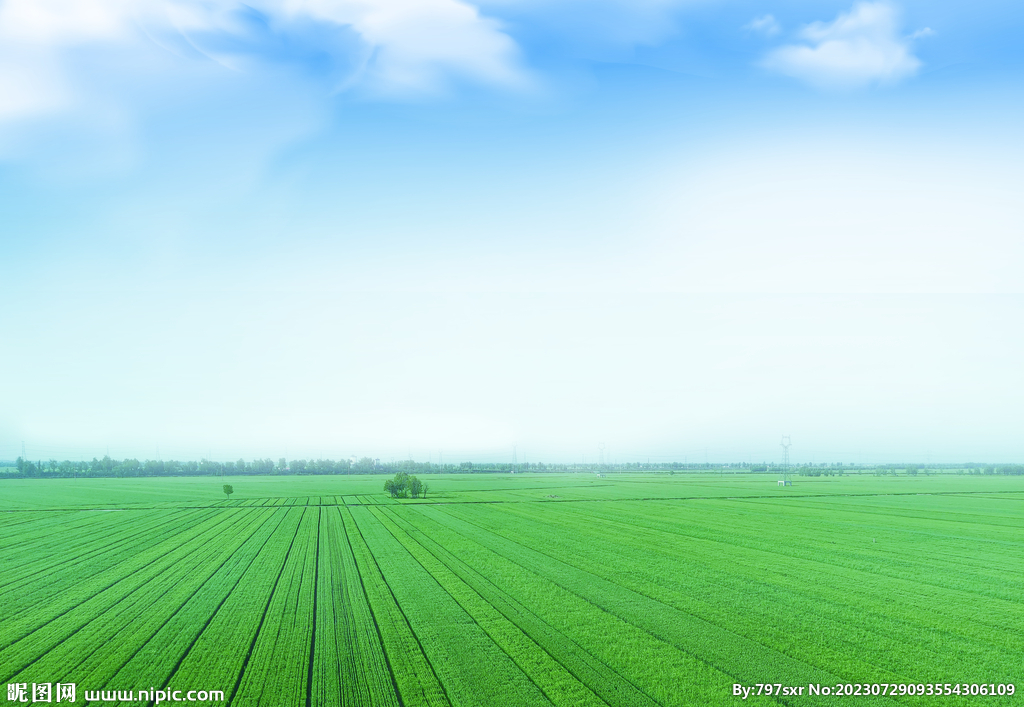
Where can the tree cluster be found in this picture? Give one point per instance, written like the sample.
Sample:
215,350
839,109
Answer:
405,485
1003,469
819,471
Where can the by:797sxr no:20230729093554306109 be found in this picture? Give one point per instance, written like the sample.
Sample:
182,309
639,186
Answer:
865,689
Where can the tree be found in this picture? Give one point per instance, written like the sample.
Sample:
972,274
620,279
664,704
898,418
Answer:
403,485
415,487
228,490
426,487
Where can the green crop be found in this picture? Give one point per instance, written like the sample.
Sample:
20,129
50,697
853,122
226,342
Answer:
636,590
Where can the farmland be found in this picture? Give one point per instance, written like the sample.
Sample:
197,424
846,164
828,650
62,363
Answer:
635,589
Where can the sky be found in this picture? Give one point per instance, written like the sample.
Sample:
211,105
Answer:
568,230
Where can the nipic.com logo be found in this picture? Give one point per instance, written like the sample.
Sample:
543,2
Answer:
65,692
41,692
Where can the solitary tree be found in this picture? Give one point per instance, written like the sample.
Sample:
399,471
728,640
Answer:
228,490
402,485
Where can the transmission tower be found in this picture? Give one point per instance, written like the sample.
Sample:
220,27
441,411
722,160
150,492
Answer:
786,444
515,461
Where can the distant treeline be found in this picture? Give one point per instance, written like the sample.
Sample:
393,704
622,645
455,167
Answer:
970,469
126,468
107,467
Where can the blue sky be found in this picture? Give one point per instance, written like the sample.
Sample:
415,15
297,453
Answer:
674,229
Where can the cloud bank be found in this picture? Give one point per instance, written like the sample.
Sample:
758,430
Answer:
394,47
860,47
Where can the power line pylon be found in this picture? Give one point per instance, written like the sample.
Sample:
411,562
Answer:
786,444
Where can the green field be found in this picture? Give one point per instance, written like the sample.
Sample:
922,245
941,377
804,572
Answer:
514,589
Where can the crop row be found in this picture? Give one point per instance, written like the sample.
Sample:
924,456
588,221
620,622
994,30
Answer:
155,661
278,666
744,659
634,655
759,607
566,673
941,547
219,655
33,632
706,590
348,662
81,549
473,670
810,612
107,642
23,529
414,676
864,614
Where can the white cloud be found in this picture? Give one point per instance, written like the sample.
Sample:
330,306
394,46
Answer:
417,42
765,24
859,47
408,46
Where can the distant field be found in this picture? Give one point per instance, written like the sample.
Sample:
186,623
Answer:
635,589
